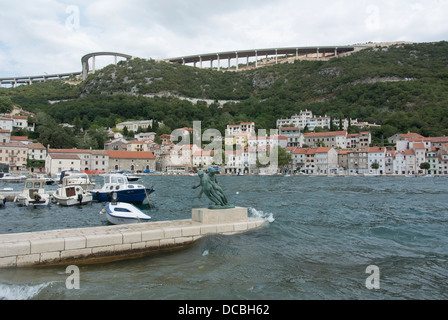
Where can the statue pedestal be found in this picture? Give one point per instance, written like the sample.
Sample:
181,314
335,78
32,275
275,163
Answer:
216,216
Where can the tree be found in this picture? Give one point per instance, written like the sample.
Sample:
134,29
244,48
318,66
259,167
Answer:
125,131
284,158
5,104
375,166
425,166
51,133
77,124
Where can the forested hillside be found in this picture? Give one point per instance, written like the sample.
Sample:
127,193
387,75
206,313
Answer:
403,88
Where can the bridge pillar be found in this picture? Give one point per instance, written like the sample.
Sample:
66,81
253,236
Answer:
200,62
85,70
297,53
317,53
219,64
336,52
93,65
211,63
237,67
115,60
256,59
276,56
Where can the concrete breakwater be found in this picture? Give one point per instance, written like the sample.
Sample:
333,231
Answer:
120,242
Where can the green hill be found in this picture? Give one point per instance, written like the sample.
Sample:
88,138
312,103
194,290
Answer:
403,88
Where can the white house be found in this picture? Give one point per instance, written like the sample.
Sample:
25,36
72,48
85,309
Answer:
203,159
6,123
244,127
58,162
135,125
294,136
234,161
326,160
37,151
5,136
271,141
377,155
409,158
399,164
420,154
335,139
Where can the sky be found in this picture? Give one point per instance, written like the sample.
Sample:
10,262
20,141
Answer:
51,36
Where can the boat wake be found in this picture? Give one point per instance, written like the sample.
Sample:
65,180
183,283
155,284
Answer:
269,217
21,292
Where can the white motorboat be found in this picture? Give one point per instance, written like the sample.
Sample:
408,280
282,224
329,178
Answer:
69,194
77,178
9,178
124,213
33,194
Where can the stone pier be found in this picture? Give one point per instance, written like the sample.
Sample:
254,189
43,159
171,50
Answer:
121,242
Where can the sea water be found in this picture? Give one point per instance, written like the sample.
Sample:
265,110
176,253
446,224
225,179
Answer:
323,237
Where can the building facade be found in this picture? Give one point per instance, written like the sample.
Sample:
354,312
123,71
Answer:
134,161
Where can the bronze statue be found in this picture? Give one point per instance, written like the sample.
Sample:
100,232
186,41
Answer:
212,190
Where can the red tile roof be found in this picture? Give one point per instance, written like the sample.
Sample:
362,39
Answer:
411,135
19,138
64,156
69,151
376,149
300,151
419,146
130,155
326,134
323,149
438,139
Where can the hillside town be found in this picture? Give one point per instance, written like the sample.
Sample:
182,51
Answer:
309,153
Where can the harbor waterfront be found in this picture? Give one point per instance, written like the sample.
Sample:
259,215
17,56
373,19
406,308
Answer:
323,234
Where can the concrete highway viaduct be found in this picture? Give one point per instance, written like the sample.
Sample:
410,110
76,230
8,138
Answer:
229,56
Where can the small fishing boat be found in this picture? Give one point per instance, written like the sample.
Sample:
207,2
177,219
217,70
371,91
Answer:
126,192
124,213
69,194
33,194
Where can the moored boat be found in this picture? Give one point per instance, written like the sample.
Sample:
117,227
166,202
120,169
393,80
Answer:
77,178
33,194
126,192
69,194
125,213
9,178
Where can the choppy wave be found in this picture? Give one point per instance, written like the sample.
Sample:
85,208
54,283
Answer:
269,217
21,292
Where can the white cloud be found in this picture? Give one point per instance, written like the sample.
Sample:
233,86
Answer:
38,36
